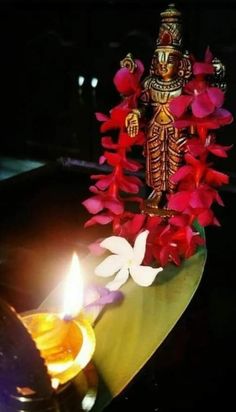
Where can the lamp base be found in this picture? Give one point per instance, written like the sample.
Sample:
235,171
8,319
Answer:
77,396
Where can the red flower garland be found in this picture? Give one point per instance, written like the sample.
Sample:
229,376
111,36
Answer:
200,106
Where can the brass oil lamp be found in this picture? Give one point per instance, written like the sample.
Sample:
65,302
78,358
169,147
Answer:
45,357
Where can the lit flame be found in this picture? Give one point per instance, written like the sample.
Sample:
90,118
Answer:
73,294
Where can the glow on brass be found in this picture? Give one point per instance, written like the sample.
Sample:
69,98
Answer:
66,341
65,346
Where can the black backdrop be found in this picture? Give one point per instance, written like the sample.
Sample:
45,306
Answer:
46,45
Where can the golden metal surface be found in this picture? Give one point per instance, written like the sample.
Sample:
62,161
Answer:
165,144
129,63
66,346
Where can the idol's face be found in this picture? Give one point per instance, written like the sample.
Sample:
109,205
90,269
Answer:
166,64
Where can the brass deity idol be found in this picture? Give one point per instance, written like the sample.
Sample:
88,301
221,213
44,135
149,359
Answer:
165,144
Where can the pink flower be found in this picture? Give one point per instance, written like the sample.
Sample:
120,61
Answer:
206,217
128,83
198,148
202,197
130,225
103,181
126,142
202,99
160,245
120,159
180,220
126,183
172,241
194,204
187,240
116,120
108,143
220,117
205,67
102,200
102,219
130,184
199,172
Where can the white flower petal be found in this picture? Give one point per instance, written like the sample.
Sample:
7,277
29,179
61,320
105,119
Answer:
121,277
144,275
140,247
109,266
118,245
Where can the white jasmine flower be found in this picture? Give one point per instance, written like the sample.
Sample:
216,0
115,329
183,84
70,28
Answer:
126,261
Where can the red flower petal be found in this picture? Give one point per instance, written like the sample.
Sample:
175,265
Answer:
179,105
100,219
108,143
152,223
132,226
218,199
202,68
137,222
108,125
101,117
139,70
216,222
125,140
206,218
202,105
114,205
208,55
174,256
179,201
195,85
164,256
195,147
182,123
219,150
130,184
102,160
131,165
113,159
118,115
104,181
179,220
213,177
216,96
126,82
201,199
223,116
94,189
93,204
191,160
123,81
183,172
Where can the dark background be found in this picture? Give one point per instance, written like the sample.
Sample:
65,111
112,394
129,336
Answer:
45,46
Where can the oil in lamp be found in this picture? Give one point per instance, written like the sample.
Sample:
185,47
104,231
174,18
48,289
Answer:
43,352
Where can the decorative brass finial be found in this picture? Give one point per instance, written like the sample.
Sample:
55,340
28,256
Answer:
171,11
170,32
129,63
